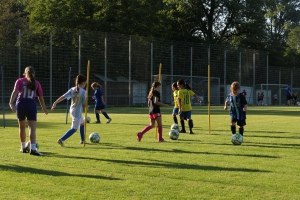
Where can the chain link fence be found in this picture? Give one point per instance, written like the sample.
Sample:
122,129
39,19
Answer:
126,65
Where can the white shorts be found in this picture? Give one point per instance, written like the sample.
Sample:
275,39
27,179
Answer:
76,122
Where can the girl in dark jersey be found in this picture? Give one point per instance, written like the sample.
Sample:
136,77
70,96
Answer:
238,106
154,112
26,90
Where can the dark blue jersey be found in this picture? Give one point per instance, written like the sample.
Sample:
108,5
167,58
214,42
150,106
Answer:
98,97
237,104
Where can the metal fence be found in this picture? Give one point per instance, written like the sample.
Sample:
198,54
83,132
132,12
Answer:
126,65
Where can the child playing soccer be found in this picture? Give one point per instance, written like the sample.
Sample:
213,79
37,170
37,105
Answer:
175,96
27,89
99,102
184,104
78,104
238,107
154,112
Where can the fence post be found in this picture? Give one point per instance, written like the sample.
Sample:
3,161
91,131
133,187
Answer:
240,68
172,63
191,72
268,80
129,78
51,69
79,54
19,44
151,62
3,102
105,67
225,71
253,84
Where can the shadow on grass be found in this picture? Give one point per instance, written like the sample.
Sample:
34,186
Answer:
164,164
23,169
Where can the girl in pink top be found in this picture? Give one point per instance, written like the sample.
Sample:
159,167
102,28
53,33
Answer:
26,90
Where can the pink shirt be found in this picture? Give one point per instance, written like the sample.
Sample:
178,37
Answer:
24,92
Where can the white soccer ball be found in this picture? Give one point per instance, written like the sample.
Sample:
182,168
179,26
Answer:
237,139
88,119
94,137
175,127
174,134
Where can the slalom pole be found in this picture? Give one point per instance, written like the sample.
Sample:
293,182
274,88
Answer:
86,99
3,103
159,80
67,110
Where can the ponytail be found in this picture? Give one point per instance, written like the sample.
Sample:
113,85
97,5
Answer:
154,85
29,73
79,79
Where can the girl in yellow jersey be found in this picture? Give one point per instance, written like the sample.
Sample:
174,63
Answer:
176,108
184,104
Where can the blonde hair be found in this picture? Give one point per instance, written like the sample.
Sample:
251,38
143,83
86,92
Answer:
235,87
95,84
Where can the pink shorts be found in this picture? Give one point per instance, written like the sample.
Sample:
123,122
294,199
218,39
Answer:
154,115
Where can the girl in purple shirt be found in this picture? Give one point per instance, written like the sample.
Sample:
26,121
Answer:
26,90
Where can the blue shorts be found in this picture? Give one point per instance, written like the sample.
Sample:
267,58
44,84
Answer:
175,111
99,107
26,110
186,114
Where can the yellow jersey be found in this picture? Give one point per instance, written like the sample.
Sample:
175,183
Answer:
185,97
175,95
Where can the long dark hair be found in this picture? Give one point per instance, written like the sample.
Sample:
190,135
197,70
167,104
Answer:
154,85
29,73
79,79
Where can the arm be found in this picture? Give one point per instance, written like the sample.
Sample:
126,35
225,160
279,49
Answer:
57,101
226,105
179,105
42,103
12,100
156,102
102,99
198,98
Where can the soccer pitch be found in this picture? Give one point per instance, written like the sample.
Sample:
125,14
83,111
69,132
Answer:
200,166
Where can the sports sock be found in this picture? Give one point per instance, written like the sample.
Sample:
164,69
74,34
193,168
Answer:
23,144
241,130
33,146
160,132
175,119
105,115
190,123
147,128
182,124
98,117
68,134
233,129
82,132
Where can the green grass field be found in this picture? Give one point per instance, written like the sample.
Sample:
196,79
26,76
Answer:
201,166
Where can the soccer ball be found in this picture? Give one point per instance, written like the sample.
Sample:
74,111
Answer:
175,127
174,134
237,139
88,119
94,137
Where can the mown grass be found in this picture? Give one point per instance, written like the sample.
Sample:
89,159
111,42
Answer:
200,166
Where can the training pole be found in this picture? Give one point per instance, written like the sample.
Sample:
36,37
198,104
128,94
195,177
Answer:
86,98
67,110
3,103
159,80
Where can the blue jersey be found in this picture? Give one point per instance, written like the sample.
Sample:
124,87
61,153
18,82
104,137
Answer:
98,94
288,91
237,104
77,100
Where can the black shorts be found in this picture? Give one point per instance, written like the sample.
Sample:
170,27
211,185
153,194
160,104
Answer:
238,122
289,97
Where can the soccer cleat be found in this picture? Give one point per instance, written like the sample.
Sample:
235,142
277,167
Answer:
81,142
182,131
35,153
191,132
24,150
59,141
97,122
162,140
139,136
108,121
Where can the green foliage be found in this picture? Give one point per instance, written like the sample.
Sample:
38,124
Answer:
201,166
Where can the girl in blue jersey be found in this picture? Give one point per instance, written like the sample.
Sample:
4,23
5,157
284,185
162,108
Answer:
78,104
27,89
238,107
154,112
99,102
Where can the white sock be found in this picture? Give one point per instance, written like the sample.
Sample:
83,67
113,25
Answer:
23,145
33,147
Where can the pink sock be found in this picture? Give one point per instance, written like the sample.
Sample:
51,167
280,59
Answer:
146,129
160,132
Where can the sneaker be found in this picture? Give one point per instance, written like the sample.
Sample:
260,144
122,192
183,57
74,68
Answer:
59,141
139,136
26,149
108,121
35,153
191,132
97,122
162,140
182,131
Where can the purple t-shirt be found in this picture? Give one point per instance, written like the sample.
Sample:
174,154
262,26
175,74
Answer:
26,94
